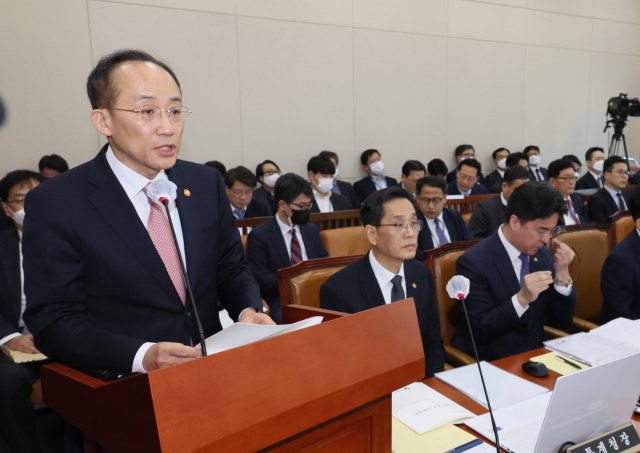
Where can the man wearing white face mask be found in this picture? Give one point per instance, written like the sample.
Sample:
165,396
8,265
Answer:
371,161
538,173
500,160
593,178
17,417
341,187
321,172
267,173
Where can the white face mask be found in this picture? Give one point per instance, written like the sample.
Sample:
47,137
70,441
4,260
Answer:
502,163
335,175
576,174
534,160
377,168
271,179
599,166
17,216
324,185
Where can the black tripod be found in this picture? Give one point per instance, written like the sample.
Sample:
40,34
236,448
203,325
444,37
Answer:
618,135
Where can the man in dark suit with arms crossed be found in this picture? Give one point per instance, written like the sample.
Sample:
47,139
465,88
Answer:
104,295
610,199
388,273
515,285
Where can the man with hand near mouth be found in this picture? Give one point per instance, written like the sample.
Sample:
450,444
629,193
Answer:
388,273
321,172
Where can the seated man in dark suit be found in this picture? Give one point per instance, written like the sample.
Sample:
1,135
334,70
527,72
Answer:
440,225
562,176
267,173
537,172
437,167
463,152
17,416
341,187
321,171
466,183
371,161
284,240
611,198
513,160
488,215
593,178
412,171
388,273
240,183
500,160
620,276
516,286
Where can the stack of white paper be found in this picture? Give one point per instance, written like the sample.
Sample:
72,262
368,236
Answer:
504,388
621,331
240,334
423,409
588,349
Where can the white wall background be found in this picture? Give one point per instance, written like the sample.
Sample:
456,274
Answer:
284,79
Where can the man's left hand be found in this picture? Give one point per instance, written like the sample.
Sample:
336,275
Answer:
250,316
563,257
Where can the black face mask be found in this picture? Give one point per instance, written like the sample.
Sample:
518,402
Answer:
299,217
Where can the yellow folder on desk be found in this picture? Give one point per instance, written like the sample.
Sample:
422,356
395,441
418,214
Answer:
558,365
441,440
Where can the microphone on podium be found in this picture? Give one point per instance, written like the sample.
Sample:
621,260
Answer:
162,192
458,288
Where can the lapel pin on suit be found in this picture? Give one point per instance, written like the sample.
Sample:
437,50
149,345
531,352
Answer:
187,192
414,286
535,259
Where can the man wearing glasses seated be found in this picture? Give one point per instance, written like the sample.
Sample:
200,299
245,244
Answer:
285,240
468,172
562,176
389,273
610,199
240,183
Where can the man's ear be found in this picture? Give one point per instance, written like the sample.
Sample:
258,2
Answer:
514,222
372,234
5,207
101,120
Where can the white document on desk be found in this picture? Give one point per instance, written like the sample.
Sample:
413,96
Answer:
504,388
588,349
241,333
423,409
621,331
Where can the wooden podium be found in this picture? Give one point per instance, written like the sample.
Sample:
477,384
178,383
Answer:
321,389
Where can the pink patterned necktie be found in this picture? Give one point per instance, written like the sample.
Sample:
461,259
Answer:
160,232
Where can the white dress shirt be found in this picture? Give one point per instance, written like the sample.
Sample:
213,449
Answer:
568,219
23,301
286,234
434,231
233,208
503,199
384,277
614,194
380,183
514,256
537,173
501,172
133,183
598,179
324,203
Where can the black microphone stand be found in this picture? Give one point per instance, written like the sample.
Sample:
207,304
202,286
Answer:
165,203
475,350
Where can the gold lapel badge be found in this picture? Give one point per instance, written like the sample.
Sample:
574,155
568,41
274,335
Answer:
187,192
535,259
414,286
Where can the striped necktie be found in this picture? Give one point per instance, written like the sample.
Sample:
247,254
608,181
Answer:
296,251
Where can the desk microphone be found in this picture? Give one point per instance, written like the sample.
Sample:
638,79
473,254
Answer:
162,192
458,288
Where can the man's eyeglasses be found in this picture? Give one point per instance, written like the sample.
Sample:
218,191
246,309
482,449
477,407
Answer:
148,113
401,228
239,193
271,172
467,177
428,201
17,201
622,172
567,178
303,207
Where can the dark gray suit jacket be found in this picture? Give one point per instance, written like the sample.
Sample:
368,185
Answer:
487,217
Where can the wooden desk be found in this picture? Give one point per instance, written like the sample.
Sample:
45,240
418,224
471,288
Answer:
511,364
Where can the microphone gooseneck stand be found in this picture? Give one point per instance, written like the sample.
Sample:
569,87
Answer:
165,203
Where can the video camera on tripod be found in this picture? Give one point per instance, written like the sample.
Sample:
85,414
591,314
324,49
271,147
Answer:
618,110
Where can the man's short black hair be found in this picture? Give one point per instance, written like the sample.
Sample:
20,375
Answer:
535,200
53,162
240,174
372,210
330,155
18,177
531,148
589,154
557,166
437,167
413,165
610,162
573,158
319,164
364,157
260,171
102,92
495,153
516,172
431,181
515,158
462,148
290,186
634,204
471,163
218,166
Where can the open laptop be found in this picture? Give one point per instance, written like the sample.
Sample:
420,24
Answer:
582,405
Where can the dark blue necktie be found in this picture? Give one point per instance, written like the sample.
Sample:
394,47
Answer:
441,236
239,213
524,270
397,293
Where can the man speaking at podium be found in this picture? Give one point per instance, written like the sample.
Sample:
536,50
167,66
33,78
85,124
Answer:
102,276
